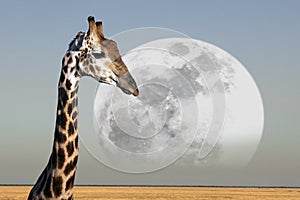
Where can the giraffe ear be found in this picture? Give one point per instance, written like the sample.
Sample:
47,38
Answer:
100,29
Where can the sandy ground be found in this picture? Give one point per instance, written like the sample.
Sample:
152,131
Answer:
174,193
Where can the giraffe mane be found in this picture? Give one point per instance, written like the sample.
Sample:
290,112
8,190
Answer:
79,40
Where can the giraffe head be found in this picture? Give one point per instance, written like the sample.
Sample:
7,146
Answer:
100,59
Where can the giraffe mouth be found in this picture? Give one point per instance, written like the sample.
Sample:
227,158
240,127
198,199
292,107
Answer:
127,84
134,93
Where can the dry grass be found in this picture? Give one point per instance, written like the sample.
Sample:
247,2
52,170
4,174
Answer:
162,193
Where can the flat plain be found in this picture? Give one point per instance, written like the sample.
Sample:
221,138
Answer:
161,193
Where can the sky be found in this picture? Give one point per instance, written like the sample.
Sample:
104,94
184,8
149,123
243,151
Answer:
262,35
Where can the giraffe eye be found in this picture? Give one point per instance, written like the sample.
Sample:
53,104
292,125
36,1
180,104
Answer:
99,55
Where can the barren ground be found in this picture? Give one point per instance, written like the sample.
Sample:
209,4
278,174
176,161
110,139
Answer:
174,193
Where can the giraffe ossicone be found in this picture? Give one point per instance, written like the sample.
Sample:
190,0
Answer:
89,54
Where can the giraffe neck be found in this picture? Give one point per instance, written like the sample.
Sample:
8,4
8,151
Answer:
65,146
57,179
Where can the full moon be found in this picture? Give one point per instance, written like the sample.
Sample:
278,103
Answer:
197,106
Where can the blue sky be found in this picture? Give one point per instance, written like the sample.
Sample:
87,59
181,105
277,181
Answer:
263,35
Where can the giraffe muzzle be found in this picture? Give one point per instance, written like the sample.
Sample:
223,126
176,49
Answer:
127,84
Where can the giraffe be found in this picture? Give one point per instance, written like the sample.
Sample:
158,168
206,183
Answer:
89,54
